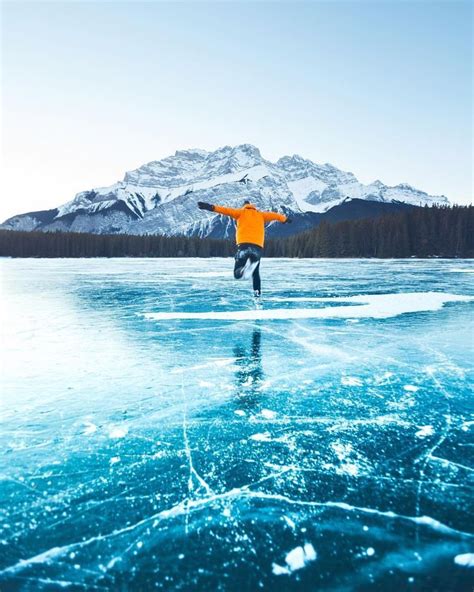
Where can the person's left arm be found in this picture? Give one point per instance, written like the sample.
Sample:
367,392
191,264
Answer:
275,217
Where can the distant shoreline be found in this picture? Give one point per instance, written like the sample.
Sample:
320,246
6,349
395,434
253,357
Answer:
410,258
423,233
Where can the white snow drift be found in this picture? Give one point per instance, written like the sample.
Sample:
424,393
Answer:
377,306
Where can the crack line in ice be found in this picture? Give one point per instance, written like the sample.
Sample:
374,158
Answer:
198,503
220,362
437,482
64,583
297,420
187,450
436,445
22,483
317,350
451,462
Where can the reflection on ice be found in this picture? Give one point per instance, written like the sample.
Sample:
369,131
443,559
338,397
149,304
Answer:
249,373
307,453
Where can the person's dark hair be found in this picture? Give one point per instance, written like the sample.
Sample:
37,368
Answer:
246,201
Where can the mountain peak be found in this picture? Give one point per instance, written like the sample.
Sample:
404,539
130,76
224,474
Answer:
160,196
247,149
240,150
295,158
192,153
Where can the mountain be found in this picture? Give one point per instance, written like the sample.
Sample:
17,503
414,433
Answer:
160,197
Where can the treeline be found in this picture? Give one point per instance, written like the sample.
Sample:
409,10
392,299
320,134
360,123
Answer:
14,243
437,231
420,232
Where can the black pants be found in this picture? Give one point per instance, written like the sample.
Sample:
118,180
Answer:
248,251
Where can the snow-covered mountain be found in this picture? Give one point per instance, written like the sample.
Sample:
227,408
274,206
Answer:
160,197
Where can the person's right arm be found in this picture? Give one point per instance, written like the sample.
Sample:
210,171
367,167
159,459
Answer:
232,212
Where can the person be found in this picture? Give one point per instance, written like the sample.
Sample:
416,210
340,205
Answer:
250,238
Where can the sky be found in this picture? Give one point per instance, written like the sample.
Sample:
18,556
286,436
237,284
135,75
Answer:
91,90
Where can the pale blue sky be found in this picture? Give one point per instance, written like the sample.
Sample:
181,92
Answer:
92,89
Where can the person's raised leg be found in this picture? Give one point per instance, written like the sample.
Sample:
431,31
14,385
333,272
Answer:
240,261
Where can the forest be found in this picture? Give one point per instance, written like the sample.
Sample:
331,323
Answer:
419,232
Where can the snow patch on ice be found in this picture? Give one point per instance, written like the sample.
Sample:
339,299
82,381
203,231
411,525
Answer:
378,306
89,428
279,570
262,437
296,559
206,274
344,453
424,431
351,381
411,388
465,559
382,379
118,432
268,413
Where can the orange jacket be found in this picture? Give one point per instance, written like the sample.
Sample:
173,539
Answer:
250,222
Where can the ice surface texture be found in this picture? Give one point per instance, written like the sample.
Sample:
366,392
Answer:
143,452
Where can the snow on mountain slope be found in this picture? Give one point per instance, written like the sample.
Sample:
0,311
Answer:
160,197
305,187
252,174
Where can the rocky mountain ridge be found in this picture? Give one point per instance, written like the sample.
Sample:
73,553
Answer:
160,197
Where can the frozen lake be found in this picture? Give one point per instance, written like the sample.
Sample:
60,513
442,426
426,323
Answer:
323,443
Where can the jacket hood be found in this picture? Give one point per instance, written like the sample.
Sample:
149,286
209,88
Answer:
249,206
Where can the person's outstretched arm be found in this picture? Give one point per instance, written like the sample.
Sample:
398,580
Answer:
274,216
232,212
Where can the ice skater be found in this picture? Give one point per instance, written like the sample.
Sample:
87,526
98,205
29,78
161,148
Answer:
250,238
